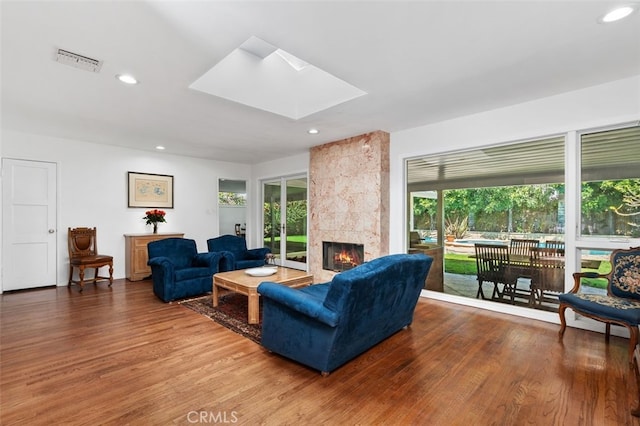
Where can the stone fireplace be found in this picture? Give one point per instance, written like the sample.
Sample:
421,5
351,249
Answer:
340,257
349,198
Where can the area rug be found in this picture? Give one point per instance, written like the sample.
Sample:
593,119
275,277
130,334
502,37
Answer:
231,312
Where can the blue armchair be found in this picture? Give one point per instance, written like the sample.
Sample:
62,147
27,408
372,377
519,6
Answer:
325,325
234,253
178,270
621,304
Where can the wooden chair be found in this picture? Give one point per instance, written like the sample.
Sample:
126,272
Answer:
83,253
621,304
555,244
547,275
520,253
240,231
519,248
636,370
492,262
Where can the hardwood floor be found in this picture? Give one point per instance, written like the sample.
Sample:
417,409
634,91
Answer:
120,356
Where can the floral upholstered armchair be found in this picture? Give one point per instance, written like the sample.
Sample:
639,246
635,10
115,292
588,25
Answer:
621,304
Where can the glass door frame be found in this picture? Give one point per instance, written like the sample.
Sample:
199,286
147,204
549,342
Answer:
282,183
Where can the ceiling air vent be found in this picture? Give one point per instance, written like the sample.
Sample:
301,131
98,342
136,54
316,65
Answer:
78,61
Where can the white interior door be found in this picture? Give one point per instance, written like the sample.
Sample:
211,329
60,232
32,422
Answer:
28,224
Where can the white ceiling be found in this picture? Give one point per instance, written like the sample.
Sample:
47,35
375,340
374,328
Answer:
418,62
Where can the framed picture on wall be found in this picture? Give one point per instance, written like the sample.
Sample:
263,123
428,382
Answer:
150,190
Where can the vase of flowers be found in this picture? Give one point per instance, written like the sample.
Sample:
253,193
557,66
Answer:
153,217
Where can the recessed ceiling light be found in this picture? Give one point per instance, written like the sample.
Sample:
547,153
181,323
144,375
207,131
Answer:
126,78
160,147
313,131
617,14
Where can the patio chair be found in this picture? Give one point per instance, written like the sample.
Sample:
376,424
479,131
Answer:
520,250
547,275
621,304
555,244
520,256
492,262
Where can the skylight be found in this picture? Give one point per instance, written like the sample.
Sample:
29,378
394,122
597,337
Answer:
263,76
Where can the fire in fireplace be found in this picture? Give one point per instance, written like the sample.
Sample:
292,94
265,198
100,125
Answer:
340,257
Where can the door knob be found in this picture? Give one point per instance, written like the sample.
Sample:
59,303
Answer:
51,231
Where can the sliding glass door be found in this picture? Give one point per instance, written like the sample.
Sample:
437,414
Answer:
285,220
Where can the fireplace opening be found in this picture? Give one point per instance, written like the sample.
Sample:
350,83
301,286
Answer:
340,257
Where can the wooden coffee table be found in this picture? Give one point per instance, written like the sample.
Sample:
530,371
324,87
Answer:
239,282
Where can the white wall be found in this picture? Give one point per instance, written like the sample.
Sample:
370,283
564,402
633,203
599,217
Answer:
604,105
92,191
229,217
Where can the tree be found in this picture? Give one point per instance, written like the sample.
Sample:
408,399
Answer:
232,198
605,204
525,208
630,189
424,212
630,201
296,218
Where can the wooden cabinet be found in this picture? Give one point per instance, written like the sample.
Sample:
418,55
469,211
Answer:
136,255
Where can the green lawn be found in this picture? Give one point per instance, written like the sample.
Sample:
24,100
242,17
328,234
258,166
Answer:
291,238
460,264
605,268
295,243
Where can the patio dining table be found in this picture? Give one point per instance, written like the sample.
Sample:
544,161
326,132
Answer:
543,266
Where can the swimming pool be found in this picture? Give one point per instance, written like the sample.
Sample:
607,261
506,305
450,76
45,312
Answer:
471,242
429,240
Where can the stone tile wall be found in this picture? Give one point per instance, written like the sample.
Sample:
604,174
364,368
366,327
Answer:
349,197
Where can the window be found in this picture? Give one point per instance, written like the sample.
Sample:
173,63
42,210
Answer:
594,260
610,183
494,194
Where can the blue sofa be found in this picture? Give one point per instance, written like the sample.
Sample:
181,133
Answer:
178,270
325,325
234,253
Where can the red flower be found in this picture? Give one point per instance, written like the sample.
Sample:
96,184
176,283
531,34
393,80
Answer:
154,216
